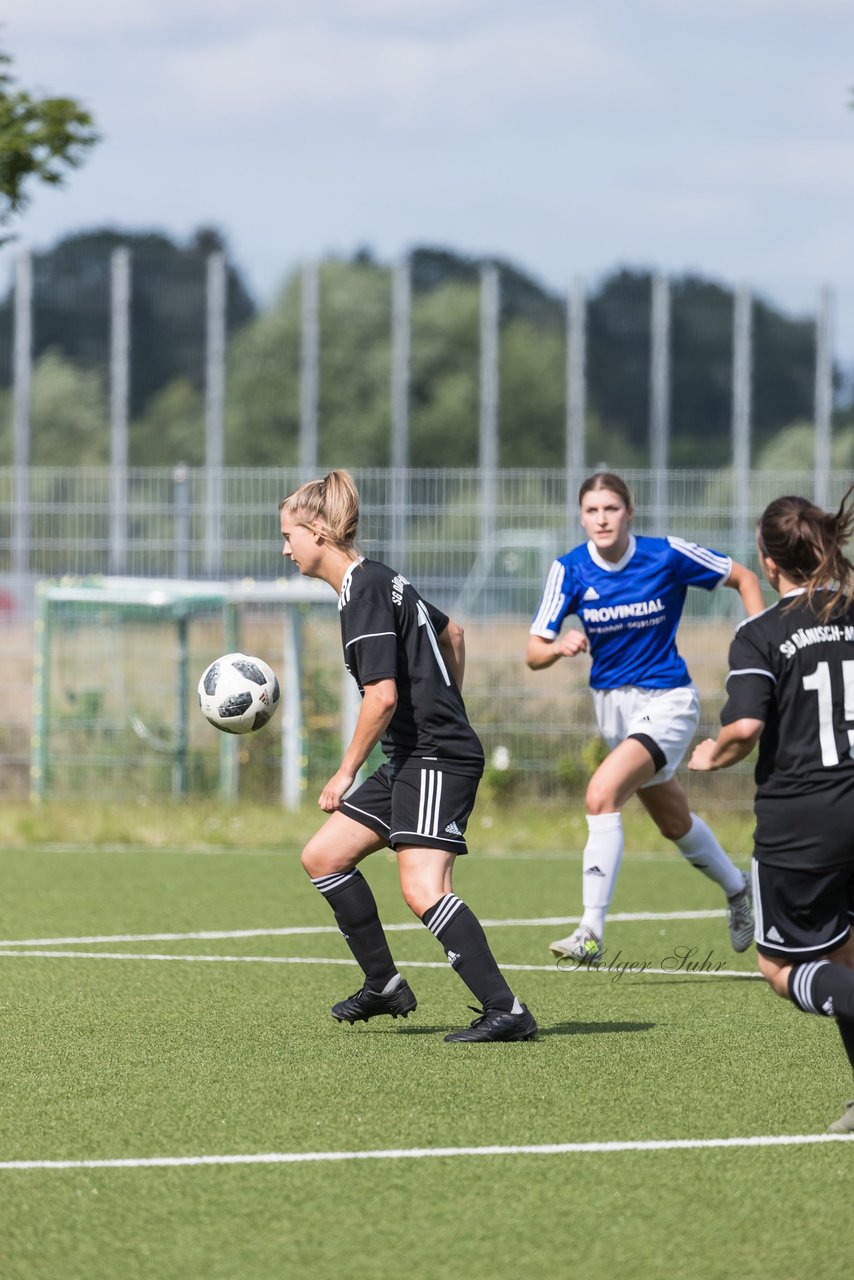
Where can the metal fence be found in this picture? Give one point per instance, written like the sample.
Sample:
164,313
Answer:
428,524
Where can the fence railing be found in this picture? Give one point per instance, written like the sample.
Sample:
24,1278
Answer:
428,524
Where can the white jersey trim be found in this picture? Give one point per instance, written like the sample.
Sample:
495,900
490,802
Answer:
553,600
344,593
702,555
760,614
345,804
751,671
368,635
612,566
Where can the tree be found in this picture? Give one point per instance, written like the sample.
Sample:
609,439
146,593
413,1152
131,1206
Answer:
39,138
69,416
71,304
619,343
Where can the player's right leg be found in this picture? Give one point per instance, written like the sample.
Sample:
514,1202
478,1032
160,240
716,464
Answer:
616,780
426,881
331,859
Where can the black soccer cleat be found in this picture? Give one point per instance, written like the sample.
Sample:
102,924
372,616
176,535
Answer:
497,1024
366,1004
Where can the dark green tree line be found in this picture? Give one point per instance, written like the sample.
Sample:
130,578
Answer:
263,361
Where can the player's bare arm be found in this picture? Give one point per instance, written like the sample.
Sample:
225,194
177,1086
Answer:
733,743
452,642
746,583
378,707
543,653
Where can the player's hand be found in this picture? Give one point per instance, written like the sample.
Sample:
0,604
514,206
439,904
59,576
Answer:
702,756
335,791
571,643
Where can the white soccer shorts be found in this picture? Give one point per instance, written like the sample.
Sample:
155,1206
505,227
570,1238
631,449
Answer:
668,716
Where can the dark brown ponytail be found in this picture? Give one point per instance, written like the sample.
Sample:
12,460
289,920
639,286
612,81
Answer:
807,544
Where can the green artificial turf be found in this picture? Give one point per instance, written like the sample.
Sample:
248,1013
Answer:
140,1057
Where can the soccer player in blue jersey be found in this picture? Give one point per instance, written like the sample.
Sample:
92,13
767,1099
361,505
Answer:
628,592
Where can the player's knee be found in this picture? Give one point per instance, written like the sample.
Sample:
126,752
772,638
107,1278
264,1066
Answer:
775,974
314,861
418,896
673,827
600,797
415,901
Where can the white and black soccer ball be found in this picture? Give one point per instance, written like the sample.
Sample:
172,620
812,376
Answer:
238,693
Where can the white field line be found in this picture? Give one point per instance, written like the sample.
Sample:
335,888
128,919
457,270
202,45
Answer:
427,1153
297,931
280,851
615,971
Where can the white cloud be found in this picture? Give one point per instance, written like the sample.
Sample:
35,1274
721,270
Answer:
481,76
708,132
775,10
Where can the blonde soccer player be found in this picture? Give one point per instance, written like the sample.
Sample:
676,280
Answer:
408,660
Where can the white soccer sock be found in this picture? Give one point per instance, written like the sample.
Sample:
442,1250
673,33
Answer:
700,847
603,854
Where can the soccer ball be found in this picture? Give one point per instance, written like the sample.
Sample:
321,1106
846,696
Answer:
238,693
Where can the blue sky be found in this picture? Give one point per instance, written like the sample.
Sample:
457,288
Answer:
570,138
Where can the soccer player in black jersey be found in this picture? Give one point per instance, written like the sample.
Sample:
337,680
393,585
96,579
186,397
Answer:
407,658
791,689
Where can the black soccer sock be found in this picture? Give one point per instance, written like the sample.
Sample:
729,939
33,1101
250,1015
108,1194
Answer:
823,988
349,895
461,934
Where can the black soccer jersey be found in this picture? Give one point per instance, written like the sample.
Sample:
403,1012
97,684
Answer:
796,674
389,632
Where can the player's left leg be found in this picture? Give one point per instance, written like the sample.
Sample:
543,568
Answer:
667,805
820,984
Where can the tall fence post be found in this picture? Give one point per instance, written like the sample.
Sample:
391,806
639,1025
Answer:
21,396
823,395
659,400
490,310
120,303
576,396
181,503
292,736
742,381
401,338
214,411
309,380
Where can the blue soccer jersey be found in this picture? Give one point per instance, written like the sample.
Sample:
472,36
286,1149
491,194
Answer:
630,610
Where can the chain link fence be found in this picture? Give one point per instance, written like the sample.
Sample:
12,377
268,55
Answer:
537,727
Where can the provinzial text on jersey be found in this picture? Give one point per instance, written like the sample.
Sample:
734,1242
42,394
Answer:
613,612
814,635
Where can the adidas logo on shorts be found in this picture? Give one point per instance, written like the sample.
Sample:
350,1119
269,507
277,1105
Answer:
452,829
590,594
773,935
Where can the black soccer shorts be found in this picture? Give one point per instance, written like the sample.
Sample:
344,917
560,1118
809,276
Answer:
419,803
802,914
